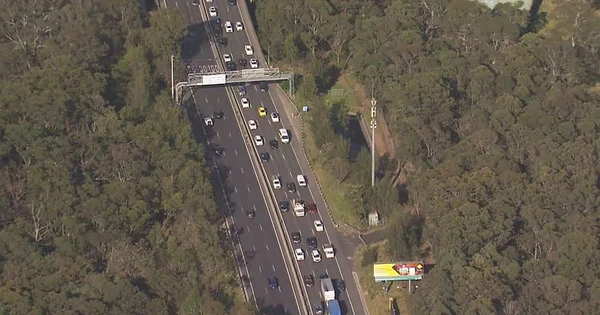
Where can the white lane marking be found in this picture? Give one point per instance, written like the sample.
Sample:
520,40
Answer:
313,231
235,151
230,135
266,291
177,4
206,99
218,100
218,135
254,208
248,229
253,248
242,170
261,104
269,121
273,267
260,225
283,156
223,153
260,269
248,188
235,188
286,196
292,176
267,246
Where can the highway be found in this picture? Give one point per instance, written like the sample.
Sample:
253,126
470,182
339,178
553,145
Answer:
258,232
260,255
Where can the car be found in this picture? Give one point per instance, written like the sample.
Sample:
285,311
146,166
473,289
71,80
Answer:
340,285
274,144
301,180
245,102
316,256
264,87
318,309
250,214
239,26
299,253
253,63
252,125
329,251
227,57
243,63
208,121
276,182
228,27
262,112
218,30
311,242
241,90
296,237
230,65
312,208
309,281
265,157
273,283
219,114
223,41
291,187
209,0
212,11
284,206
275,117
231,2
258,139
283,135
195,2
217,22
249,50
319,226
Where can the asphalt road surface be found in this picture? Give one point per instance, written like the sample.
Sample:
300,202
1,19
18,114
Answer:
284,163
257,249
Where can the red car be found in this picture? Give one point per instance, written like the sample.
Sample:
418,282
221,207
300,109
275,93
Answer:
312,208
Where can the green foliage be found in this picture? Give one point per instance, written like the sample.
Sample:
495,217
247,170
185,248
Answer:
107,203
499,127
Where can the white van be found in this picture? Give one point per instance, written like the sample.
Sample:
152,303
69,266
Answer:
301,180
283,135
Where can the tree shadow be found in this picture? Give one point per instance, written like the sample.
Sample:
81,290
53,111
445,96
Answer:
277,309
195,38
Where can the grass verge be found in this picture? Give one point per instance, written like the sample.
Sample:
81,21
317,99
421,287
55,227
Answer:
376,299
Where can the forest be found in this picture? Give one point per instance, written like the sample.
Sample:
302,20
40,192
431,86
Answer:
494,115
106,203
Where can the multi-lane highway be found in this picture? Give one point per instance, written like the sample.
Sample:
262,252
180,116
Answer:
259,255
258,240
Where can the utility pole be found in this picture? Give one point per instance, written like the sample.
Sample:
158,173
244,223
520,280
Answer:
373,126
172,76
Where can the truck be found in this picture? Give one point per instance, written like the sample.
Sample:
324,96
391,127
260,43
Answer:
298,206
327,289
333,308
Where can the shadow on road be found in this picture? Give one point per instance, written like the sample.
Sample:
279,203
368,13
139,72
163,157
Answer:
196,38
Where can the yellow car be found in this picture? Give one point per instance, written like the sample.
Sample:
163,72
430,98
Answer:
262,112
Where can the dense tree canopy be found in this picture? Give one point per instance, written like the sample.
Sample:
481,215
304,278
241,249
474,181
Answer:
106,205
496,112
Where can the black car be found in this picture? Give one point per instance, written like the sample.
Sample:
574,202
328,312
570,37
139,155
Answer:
230,65
223,41
284,206
243,63
219,114
265,157
312,242
250,214
340,285
241,90
264,87
218,30
196,2
291,187
296,238
218,22
318,309
309,281
231,2
274,144
273,283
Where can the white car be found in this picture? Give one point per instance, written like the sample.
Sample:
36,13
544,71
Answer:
275,117
239,26
249,50
208,0
299,254
259,141
329,252
245,103
227,57
316,256
301,180
228,27
319,226
208,121
253,63
252,125
212,11
276,182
